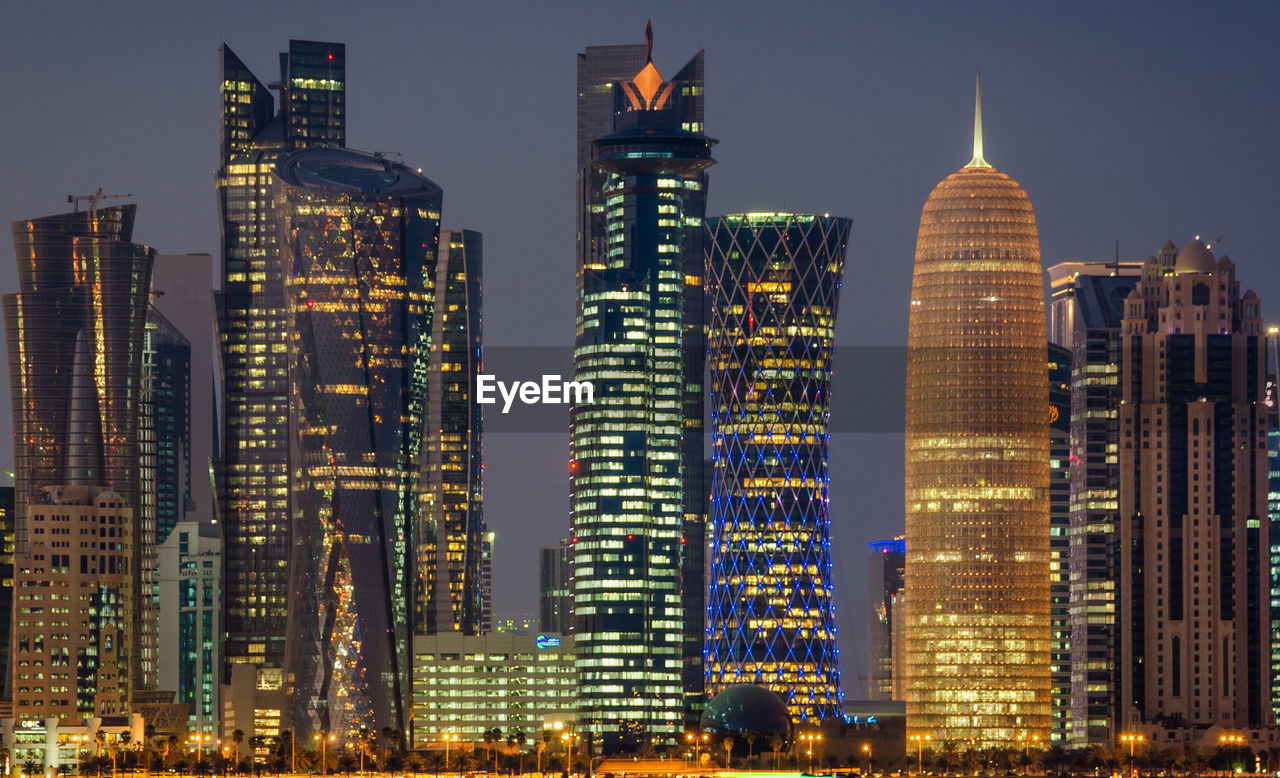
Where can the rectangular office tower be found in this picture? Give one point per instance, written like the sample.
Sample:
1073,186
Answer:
1085,311
885,566
629,498
75,337
602,71
452,592
1195,642
253,472
1059,539
358,235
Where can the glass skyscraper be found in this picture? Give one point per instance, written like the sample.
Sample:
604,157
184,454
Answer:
629,495
450,539
75,337
253,473
359,236
1059,537
773,280
977,467
602,72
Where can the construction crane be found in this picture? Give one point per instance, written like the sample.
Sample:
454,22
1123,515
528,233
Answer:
93,199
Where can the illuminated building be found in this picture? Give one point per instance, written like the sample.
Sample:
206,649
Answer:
1087,300
76,668
1195,639
6,582
452,536
555,590
885,580
190,584
773,282
1059,538
166,411
466,685
253,473
1273,506
360,234
75,336
628,448
602,72
977,467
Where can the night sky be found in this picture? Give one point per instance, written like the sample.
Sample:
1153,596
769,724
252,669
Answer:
1129,122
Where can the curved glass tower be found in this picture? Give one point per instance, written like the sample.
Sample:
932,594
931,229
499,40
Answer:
358,237
773,282
977,467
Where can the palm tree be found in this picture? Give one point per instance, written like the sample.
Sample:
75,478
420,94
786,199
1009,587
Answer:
31,767
775,743
728,751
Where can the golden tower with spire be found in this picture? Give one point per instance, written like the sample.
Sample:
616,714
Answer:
977,633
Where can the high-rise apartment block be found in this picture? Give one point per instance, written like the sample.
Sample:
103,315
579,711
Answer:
254,468
1059,538
977,467
629,497
773,281
190,586
555,588
1194,531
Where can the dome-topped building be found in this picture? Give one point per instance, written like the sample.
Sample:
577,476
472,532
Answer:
1195,257
977,635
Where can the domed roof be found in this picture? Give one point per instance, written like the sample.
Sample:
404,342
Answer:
1195,258
980,207
1168,246
743,709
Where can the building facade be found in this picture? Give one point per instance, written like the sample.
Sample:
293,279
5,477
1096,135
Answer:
190,585
628,492
1089,296
602,72
75,336
555,588
451,588
885,593
1060,539
773,281
361,238
977,467
253,469
466,685
1194,597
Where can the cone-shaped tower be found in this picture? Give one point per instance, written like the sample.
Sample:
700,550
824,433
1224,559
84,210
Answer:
977,467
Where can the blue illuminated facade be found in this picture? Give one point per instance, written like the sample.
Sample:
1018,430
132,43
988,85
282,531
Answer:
773,282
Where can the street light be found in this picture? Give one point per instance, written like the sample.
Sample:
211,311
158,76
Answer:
448,738
1132,740
919,740
568,758
810,737
866,749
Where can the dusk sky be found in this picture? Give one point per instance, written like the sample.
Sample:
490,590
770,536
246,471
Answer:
1129,122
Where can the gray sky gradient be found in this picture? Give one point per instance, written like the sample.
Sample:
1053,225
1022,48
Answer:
1133,122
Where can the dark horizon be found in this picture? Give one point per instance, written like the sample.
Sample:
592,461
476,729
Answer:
1135,123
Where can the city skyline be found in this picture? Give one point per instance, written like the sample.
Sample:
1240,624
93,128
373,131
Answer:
1192,150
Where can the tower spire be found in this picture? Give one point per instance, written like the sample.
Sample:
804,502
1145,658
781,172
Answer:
977,160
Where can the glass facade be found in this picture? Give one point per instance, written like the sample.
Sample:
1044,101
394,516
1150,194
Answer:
977,634
253,473
361,236
628,490
884,589
773,281
75,337
602,72
1059,538
451,534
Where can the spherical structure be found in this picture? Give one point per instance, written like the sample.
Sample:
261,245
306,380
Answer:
746,712
977,468
1195,257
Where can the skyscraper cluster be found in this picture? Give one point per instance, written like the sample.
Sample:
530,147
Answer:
255,505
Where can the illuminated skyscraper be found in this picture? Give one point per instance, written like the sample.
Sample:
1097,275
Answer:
1194,540
884,617
1059,537
75,336
252,489
773,280
977,467
628,491
450,538
360,236
602,72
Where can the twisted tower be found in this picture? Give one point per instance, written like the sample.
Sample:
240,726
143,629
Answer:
977,466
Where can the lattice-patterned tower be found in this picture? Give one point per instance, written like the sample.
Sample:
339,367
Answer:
773,281
977,467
